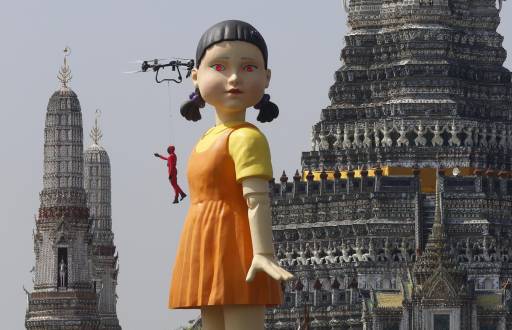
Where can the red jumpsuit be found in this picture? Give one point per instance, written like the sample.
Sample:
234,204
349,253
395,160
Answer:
173,173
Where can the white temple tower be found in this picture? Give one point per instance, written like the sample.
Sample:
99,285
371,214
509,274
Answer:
63,296
104,270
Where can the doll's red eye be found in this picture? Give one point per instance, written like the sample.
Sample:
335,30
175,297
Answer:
250,68
218,67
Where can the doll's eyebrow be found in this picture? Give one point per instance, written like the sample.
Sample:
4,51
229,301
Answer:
221,58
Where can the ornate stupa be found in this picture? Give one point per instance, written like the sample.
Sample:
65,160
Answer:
63,296
104,257
373,246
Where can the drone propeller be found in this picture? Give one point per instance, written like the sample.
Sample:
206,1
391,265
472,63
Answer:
168,59
130,72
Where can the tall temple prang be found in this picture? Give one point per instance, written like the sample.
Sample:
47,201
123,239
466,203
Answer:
68,265
376,239
104,258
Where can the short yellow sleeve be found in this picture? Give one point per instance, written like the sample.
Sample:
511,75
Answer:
251,154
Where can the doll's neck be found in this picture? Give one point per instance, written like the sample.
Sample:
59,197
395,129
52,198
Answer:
224,117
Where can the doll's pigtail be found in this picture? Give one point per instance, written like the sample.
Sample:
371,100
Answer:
268,110
190,109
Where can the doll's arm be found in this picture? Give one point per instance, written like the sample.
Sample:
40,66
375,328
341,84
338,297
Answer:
255,191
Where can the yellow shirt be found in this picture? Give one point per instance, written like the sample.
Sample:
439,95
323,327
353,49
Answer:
247,146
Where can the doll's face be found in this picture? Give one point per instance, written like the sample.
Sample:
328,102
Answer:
232,76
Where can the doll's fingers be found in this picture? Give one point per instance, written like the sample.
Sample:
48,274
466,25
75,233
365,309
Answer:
287,276
273,272
250,274
283,274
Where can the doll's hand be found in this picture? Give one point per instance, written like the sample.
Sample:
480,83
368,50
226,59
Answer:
267,264
156,155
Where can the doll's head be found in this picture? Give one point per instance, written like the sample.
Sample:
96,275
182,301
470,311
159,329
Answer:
170,149
226,50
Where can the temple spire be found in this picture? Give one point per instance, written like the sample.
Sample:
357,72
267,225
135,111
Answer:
438,227
437,239
96,133
64,75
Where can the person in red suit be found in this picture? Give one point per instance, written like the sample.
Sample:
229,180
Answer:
173,173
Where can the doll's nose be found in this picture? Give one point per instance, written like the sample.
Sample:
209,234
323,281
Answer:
233,79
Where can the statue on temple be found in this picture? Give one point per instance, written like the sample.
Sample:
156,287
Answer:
396,252
487,255
376,132
290,255
314,139
316,258
492,137
357,143
63,269
367,141
358,255
302,258
338,143
370,255
331,257
468,141
386,139
402,139
496,251
479,252
437,140
454,139
324,144
506,255
346,139
503,139
482,141
281,254
420,139
345,257
404,253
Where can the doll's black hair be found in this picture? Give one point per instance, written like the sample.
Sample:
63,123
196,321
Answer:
231,30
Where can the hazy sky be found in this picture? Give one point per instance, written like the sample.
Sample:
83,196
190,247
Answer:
304,40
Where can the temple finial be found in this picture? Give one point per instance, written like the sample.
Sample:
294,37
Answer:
96,134
437,210
438,226
65,72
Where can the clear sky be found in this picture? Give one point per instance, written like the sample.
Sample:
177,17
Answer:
304,40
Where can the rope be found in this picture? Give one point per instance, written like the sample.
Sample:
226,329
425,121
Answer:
171,124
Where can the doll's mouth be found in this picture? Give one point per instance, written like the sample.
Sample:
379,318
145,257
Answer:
234,91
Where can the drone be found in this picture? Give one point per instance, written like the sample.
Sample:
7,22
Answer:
158,64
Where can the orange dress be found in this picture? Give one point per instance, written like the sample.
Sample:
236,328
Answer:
215,249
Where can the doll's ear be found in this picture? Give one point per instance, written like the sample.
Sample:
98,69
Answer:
194,77
269,74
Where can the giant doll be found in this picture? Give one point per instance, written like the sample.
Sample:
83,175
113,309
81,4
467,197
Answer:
225,263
